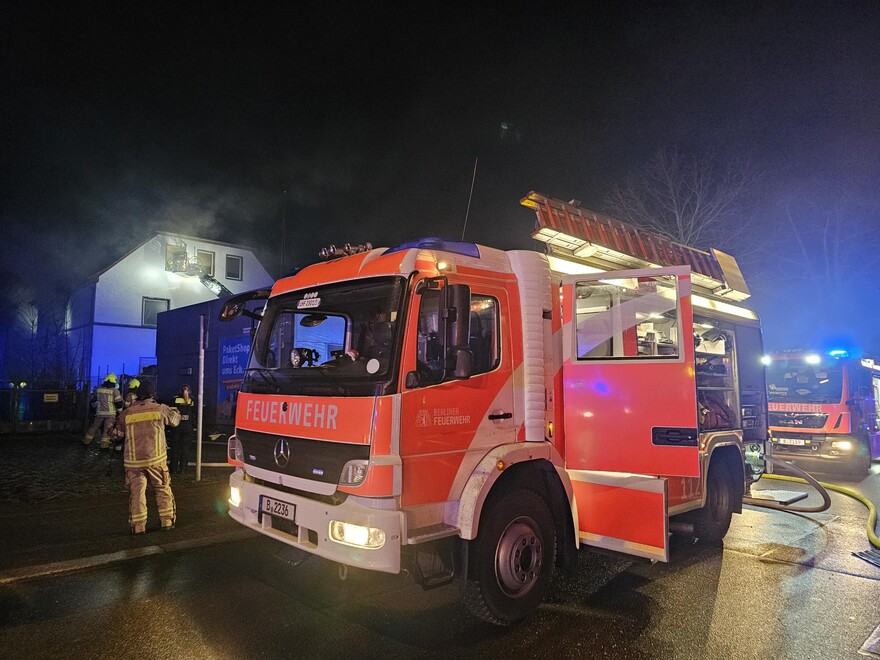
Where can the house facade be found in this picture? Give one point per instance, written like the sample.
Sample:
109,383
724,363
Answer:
111,322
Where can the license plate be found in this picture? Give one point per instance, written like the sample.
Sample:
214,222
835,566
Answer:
792,441
277,508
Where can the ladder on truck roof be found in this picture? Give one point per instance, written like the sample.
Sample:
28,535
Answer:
610,244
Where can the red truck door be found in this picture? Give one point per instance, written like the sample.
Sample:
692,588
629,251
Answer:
630,409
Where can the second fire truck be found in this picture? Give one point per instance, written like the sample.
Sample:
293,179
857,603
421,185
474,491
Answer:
477,415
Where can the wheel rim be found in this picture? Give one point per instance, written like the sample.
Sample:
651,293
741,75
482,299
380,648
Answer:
519,557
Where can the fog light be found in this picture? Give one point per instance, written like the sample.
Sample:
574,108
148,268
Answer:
353,473
234,497
843,445
356,535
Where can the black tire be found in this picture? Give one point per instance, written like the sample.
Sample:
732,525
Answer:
713,520
861,463
512,558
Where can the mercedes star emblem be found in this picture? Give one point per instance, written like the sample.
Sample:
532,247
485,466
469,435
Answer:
282,453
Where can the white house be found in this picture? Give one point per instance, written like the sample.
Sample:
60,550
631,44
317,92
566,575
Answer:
111,322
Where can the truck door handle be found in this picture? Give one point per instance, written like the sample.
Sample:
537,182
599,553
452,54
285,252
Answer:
674,436
506,415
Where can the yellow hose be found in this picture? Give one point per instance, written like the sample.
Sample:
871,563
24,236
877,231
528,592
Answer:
872,511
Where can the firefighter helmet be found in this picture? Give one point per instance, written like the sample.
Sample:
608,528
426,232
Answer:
111,378
133,384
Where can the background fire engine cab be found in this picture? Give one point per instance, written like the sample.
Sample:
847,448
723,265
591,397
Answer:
824,409
570,404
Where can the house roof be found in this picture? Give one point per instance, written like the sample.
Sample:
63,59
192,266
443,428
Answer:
92,279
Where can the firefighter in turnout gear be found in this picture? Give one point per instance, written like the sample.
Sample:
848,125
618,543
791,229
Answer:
106,400
180,438
145,453
131,396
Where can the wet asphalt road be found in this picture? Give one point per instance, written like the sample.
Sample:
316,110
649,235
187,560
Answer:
783,586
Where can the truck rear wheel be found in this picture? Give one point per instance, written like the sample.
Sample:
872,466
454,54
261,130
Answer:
713,520
512,558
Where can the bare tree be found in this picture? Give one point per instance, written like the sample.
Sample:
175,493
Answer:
831,248
690,200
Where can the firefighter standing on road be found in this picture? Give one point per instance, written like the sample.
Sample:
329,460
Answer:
106,399
145,453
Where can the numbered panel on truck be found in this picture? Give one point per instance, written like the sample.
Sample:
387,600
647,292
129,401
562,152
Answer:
630,403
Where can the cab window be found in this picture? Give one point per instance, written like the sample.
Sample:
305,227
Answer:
482,337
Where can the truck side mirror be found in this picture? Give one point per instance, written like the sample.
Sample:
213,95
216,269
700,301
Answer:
412,380
458,302
236,305
458,354
464,363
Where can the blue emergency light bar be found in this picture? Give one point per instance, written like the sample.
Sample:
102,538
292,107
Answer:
439,244
838,353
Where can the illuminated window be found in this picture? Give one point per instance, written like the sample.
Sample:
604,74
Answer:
627,318
150,311
233,267
206,261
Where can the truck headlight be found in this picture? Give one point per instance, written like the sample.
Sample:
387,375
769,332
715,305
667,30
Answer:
235,497
234,451
356,535
842,445
353,473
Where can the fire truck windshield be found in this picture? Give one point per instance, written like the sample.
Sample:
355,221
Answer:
795,381
336,340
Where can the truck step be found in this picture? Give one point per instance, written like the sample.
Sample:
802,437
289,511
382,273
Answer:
430,533
784,497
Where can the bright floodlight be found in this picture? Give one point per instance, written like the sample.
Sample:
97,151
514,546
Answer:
812,359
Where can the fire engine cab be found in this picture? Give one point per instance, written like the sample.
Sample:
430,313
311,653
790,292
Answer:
476,415
823,409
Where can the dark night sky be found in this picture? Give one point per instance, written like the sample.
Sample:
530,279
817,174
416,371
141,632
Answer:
121,121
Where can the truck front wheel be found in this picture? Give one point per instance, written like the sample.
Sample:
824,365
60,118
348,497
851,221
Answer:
512,558
860,464
713,520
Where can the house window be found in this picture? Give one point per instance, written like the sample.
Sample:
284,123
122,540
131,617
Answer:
206,261
175,258
233,267
150,311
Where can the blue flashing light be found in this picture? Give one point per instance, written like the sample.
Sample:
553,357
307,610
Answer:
440,244
838,353
601,387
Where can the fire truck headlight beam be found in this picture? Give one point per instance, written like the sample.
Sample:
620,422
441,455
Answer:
358,536
842,445
235,497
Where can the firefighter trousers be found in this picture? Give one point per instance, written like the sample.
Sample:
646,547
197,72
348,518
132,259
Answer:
160,481
105,424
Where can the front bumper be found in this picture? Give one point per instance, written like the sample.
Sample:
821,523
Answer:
310,529
818,450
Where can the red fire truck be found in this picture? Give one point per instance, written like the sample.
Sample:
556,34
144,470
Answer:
823,409
476,415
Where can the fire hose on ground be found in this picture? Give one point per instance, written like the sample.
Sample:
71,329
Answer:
822,489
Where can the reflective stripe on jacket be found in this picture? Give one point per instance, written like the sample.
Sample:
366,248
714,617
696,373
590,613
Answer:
187,412
143,424
106,399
